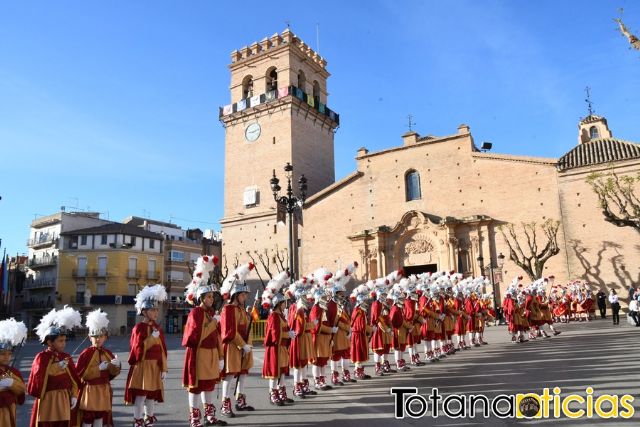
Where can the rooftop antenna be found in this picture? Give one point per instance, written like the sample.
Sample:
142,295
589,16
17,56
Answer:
318,38
288,24
411,122
146,213
588,101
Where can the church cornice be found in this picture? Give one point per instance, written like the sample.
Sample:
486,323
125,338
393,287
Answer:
432,140
247,217
515,158
332,188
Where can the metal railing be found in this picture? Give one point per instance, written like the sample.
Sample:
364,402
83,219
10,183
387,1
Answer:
42,262
153,275
42,240
37,304
79,272
40,283
99,273
133,274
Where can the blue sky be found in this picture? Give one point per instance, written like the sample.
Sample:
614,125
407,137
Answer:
112,106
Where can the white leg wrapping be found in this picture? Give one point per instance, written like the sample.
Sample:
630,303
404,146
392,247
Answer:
194,400
225,389
149,407
138,405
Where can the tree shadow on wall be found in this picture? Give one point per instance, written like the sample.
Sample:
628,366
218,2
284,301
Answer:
592,271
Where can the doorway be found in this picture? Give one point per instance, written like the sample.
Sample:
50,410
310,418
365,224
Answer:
419,269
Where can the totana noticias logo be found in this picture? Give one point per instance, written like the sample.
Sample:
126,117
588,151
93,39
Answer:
408,403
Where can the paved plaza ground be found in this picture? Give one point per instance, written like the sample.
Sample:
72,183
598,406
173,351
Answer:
595,354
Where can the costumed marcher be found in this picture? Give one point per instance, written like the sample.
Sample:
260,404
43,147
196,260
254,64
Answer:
53,380
413,319
322,330
360,330
545,309
301,348
204,358
381,324
276,341
337,315
12,386
400,325
238,354
96,367
147,358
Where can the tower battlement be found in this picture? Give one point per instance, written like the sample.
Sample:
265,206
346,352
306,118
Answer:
268,44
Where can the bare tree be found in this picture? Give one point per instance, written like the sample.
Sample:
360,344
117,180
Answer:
282,258
617,197
527,254
265,261
633,40
257,269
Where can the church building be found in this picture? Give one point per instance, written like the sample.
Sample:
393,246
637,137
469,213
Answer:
431,203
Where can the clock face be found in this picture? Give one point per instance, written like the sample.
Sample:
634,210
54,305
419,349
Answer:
252,132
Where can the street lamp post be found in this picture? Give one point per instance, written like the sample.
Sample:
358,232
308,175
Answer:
498,265
290,203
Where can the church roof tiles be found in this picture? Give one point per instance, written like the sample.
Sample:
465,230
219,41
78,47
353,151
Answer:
599,151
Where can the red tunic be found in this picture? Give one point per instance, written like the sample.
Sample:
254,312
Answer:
378,342
105,378
359,342
11,397
321,334
409,316
458,305
470,310
275,346
399,335
40,382
7,398
138,354
193,340
298,324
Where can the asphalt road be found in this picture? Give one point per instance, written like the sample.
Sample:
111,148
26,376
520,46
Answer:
595,354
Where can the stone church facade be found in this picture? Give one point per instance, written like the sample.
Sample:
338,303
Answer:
431,203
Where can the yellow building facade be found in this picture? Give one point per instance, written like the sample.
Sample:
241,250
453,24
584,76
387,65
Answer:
106,266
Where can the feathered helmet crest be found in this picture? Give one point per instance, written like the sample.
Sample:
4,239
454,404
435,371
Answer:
360,295
58,322
236,281
272,294
98,323
199,285
150,297
12,334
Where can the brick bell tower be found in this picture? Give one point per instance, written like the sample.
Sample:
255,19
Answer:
278,114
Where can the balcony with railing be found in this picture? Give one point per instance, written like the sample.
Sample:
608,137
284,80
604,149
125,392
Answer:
79,273
153,275
41,283
133,274
99,272
45,261
273,95
43,240
38,304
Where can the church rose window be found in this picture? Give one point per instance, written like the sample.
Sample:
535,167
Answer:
412,185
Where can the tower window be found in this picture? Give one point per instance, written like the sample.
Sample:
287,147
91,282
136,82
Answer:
272,80
302,80
593,132
247,87
316,89
412,185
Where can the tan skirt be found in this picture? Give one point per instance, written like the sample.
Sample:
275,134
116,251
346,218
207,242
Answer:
146,376
207,364
96,398
54,406
306,346
8,416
